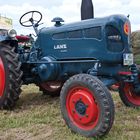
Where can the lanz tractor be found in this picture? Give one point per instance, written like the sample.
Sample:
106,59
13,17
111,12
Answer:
79,61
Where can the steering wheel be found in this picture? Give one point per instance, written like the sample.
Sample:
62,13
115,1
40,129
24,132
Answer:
31,18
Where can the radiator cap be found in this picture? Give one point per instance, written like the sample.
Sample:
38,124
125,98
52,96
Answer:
57,21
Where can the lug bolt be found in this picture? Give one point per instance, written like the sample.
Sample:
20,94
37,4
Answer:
73,101
73,111
80,119
95,102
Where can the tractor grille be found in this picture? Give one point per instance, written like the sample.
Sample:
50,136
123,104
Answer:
94,32
114,39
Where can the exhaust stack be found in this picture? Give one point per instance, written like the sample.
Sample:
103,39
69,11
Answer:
87,9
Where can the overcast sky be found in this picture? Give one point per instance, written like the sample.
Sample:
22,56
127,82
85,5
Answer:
69,10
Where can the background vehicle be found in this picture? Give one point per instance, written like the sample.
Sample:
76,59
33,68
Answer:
10,73
81,59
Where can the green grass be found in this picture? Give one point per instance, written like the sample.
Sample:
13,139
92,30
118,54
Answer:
38,117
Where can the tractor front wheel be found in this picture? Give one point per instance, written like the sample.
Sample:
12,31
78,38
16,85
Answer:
128,95
10,77
87,106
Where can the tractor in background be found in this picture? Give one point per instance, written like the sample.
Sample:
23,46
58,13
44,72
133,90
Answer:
78,60
10,72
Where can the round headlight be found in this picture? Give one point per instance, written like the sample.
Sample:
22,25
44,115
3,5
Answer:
12,33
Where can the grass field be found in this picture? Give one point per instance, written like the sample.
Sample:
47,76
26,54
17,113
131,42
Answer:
38,117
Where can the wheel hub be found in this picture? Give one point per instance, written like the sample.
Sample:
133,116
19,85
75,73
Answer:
82,108
2,78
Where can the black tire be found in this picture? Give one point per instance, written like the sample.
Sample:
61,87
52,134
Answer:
13,76
48,90
128,96
103,104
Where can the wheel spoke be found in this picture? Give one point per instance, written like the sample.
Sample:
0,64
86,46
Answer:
32,14
25,21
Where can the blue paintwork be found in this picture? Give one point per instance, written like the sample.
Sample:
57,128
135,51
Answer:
2,38
89,48
66,51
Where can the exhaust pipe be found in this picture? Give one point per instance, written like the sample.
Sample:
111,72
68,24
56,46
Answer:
87,9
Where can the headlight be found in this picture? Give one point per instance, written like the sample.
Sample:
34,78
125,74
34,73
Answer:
127,28
12,33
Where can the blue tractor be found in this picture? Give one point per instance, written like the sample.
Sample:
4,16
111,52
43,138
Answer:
79,61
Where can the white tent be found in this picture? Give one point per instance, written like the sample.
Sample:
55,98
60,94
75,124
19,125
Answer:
5,23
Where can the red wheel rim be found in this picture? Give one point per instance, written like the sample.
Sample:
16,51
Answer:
82,108
130,94
51,86
2,78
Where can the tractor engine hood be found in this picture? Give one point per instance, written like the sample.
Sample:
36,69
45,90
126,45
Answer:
65,41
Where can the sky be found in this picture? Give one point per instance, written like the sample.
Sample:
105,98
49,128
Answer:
68,10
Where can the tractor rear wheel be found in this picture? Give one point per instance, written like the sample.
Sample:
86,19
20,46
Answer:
10,77
87,106
128,95
51,88
114,87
